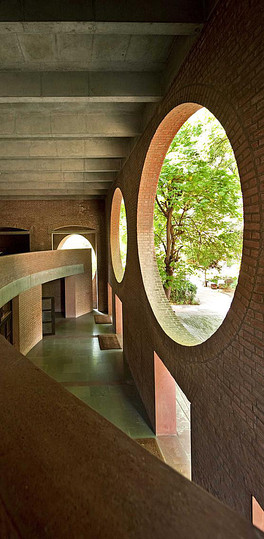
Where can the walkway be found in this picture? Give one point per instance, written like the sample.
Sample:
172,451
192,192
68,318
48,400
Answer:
102,380
204,319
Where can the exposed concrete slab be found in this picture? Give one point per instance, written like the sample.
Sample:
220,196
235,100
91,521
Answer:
99,10
39,124
61,107
180,48
58,165
91,86
34,178
77,89
66,51
76,187
98,27
45,192
94,147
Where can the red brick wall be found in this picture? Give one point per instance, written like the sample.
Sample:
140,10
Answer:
53,289
78,291
41,217
224,377
27,319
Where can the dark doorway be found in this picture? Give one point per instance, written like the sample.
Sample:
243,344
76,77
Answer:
6,326
13,241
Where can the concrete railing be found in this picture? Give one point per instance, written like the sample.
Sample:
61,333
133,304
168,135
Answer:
23,271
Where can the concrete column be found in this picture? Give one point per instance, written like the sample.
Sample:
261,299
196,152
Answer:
27,319
165,399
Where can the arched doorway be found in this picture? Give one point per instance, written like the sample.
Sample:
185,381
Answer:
77,237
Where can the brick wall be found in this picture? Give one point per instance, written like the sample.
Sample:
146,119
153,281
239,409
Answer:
53,289
224,377
41,217
27,319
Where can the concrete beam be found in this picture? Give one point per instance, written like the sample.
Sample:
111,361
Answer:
14,123
79,86
94,147
105,28
77,187
135,11
45,178
52,197
59,165
57,192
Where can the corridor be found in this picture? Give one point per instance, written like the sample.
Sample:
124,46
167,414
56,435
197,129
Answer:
102,380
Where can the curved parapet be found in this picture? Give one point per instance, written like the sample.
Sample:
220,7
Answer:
21,272
66,472
21,277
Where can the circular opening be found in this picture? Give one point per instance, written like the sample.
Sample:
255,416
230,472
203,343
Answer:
191,188
77,241
118,235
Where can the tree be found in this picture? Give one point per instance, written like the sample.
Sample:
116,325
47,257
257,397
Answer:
123,234
198,210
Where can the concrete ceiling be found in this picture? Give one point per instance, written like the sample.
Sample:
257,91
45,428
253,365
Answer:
78,82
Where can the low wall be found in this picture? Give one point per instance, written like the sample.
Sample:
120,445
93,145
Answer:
21,277
23,271
67,472
27,319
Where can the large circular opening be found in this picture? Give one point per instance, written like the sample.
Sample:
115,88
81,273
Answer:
77,241
190,224
118,235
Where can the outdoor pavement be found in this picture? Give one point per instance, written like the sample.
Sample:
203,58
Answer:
204,319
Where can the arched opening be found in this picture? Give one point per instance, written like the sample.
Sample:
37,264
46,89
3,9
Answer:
190,188
14,240
118,235
77,241
59,236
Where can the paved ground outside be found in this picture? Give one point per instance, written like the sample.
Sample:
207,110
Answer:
204,319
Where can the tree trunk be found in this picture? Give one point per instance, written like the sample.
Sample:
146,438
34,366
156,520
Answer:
167,292
168,258
205,279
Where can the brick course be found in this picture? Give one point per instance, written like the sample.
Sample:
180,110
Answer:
41,217
27,319
223,378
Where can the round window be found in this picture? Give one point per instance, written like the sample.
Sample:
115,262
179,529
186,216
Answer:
190,224
118,235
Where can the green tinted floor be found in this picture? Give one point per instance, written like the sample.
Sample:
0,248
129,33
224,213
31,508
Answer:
102,380
99,378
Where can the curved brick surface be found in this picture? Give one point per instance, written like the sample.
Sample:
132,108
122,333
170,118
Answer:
24,271
73,474
223,377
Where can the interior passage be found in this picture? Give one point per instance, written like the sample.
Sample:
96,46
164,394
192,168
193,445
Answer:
101,378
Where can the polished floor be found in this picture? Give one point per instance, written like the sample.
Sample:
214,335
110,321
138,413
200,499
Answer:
102,380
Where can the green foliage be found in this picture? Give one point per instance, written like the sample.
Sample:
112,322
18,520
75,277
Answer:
123,234
198,212
183,292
